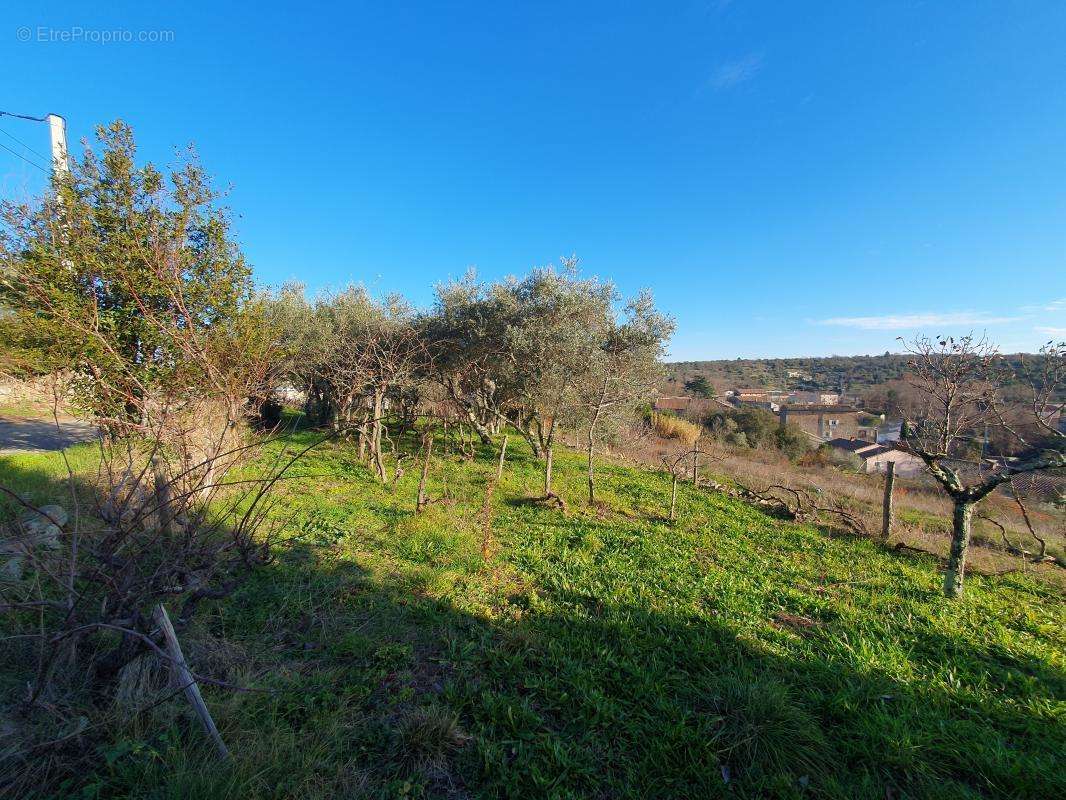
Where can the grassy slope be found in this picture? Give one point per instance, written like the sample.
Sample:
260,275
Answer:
605,654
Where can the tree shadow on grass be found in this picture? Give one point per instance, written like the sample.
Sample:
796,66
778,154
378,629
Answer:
571,694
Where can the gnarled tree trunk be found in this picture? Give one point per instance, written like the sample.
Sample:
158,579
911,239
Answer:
962,519
375,433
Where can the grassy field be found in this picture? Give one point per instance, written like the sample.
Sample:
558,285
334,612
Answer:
598,653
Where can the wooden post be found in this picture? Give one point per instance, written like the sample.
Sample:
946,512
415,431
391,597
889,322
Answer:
886,520
548,471
427,445
673,496
696,466
183,679
499,464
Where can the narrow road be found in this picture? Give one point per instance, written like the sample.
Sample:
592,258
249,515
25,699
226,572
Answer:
21,435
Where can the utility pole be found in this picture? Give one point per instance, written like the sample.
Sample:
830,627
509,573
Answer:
57,129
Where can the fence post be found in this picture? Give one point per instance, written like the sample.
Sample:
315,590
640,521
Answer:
499,464
427,448
890,480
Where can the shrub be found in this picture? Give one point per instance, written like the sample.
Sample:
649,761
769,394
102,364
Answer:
792,442
845,460
758,428
819,457
270,411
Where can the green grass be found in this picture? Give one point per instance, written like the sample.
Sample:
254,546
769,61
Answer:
40,477
603,653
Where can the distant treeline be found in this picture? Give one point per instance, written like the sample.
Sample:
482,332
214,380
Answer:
848,373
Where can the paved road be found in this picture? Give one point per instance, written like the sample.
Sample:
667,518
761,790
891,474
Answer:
19,435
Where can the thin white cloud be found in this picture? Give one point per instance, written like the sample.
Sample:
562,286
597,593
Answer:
733,73
1050,331
907,322
1054,305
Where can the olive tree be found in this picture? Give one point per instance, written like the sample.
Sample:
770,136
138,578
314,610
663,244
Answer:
360,360
555,325
467,346
624,369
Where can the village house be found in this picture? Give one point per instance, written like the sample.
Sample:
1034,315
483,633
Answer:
695,408
889,432
676,404
876,457
748,395
826,421
816,398
767,399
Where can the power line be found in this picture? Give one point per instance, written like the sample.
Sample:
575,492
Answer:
23,116
17,154
28,161
16,139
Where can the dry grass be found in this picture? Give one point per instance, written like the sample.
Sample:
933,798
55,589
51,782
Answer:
675,428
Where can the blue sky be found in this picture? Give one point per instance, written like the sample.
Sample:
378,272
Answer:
789,178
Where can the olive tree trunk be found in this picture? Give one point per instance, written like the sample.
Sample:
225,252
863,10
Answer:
962,519
590,448
375,433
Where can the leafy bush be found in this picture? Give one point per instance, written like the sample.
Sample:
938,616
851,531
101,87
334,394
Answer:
818,457
755,427
792,442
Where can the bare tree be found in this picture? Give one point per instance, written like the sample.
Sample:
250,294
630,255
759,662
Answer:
959,383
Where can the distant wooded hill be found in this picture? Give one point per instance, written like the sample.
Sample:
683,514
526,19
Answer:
850,373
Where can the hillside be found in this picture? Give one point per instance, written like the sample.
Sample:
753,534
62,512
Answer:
599,653
853,373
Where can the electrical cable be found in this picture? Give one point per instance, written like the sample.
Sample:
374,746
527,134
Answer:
28,161
16,139
23,116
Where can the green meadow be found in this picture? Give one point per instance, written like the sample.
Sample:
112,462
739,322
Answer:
596,653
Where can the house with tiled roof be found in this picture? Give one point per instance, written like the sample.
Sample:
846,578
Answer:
875,457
